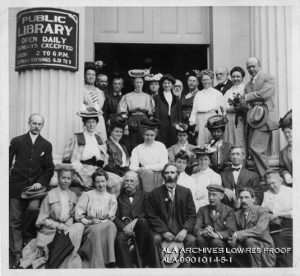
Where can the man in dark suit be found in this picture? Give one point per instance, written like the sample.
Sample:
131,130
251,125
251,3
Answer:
171,214
259,93
131,223
215,224
237,176
33,167
253,225
224,83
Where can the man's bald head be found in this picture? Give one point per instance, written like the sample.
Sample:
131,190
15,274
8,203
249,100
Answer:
35,123
221,74
253,66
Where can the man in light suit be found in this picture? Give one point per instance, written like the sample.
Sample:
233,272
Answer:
253,224
260,91
237,176
171,213
33,167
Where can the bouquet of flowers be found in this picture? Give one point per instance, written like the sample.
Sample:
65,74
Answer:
235,103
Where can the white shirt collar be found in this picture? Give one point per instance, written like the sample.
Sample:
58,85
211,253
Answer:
33,137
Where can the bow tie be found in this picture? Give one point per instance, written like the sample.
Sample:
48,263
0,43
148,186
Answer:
235,169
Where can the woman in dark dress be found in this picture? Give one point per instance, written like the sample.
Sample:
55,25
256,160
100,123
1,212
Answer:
167,111
118,157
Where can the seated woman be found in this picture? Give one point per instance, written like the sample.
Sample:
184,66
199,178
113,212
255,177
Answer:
96,211
148,159
57,213
86,152
183,132
204,177
285,157
118,157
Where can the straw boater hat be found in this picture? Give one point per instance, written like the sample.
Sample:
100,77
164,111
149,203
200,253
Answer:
286,121
138,73
33,194
258,116
216,121
88,111
153,77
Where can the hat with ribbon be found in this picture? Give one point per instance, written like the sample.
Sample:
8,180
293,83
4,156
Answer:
216,121
258,115
29,193
153,77
151,124
171,253
203,150
138,73
286,121
89,111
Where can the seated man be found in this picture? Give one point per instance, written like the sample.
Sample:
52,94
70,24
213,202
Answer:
215,223
171,214
253,224
278,199
236,177
130,221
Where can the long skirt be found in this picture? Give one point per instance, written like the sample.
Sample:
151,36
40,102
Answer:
98,245
204,135
235,134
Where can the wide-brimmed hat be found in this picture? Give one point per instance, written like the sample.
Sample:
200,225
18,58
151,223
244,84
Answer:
117,120
88,111
138,73
216,121
151,124
153,77
172,251
286,121
181,127
203,150
28,193
168,77
258,115
215,188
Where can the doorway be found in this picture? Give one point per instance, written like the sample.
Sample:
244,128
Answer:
175,59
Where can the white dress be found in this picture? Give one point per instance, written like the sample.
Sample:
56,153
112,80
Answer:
202,180
207,103
235,134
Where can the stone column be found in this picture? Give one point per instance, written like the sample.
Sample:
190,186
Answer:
270,36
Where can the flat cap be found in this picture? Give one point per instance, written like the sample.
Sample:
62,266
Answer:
215,188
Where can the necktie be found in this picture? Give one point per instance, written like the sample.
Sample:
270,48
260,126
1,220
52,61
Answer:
171,194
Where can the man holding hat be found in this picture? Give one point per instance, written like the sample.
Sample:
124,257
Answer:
285,157
259,99
32,170
215,223
171,213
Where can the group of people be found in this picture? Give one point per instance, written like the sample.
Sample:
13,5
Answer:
156,169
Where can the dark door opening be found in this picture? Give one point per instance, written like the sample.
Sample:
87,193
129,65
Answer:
175,59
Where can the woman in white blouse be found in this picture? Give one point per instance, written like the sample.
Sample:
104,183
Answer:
204,177
148,159
96,211
207,102
235,131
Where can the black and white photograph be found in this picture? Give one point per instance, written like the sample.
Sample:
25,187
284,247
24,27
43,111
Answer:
149,137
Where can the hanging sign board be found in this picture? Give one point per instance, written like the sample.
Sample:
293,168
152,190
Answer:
47,38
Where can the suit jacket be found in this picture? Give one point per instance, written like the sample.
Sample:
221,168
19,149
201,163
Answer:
224,154
285,162
111,103
157,209
263,90
226,87
246,178
224,224
33,163
256,225
133,210
167,132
